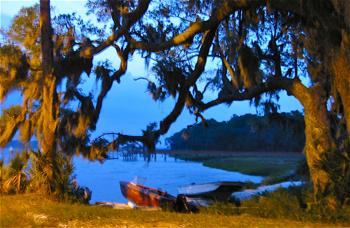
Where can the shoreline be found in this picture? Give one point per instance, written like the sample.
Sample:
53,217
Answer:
232,153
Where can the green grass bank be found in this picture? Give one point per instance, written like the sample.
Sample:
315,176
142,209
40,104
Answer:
276,168
30,210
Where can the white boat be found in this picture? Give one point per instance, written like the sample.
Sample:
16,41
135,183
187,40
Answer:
221,190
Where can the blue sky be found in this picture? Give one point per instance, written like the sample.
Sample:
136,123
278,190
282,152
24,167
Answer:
128,108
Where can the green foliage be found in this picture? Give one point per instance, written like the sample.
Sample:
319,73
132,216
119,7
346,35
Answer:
63,185
244,133
278,204
273,179
276,168
336,165
151,127
302,171
40,180
14,177
26,20
258,165
221,208
295,203
66,186
2,171
9,115
171,74
250,185
72,143
28,172
13,70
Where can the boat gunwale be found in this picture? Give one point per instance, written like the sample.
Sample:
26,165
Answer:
199,190
219,183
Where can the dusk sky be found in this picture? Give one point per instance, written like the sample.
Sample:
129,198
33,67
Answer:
128,108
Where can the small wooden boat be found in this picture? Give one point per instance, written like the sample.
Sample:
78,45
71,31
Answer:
221,190
151,197
145,196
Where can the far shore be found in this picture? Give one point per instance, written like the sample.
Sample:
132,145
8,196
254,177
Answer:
232,153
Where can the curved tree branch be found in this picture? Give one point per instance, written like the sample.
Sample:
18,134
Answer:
123,54
202,57
128,20
150,140
271,84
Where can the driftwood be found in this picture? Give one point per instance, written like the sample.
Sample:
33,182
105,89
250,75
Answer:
129,205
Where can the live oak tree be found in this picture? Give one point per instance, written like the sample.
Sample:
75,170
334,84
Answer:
37,60
260,47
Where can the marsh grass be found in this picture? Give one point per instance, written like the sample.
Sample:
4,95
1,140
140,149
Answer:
262,165
295,203
23,210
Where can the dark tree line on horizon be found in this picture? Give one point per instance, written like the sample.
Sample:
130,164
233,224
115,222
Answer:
247,133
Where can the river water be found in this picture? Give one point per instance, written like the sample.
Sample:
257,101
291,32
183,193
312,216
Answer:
164,172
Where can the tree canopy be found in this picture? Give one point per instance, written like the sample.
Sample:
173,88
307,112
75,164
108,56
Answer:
260,47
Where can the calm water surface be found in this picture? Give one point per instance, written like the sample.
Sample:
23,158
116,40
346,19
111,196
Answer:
103,178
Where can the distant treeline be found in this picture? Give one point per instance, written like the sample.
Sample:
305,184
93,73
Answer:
273,133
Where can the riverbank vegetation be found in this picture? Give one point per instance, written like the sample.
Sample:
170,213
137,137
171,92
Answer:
295,203
259,165
275,168
249,133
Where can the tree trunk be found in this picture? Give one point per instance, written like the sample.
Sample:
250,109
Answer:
19,183
317,129
341,67
49,105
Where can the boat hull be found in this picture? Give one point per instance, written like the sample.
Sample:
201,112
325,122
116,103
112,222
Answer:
144,196
220,191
